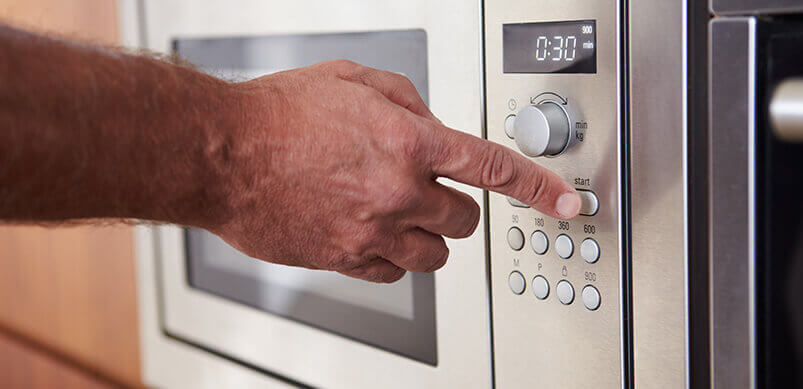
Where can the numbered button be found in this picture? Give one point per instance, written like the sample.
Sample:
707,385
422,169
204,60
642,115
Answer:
591,298
540,287
516,282
515,238
539,242
565,292
564,246
589,250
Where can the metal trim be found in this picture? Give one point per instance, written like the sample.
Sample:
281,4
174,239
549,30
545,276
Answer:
659,192
754,7
732,201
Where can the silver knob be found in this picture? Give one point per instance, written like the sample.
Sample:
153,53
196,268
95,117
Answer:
542,129
786,110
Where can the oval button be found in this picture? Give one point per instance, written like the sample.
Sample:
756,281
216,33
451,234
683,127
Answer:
589,203
515,238
565,292
540,287
516,282
591,298
589,250
539,242
564,246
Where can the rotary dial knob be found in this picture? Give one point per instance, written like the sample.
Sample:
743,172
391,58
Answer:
542,129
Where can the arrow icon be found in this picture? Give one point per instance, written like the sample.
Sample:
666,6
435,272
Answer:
562,100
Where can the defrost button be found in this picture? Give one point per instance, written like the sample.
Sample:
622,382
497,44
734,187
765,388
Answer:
565,292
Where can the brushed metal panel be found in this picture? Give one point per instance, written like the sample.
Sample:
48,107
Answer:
753,7
658,137
732,193
544,343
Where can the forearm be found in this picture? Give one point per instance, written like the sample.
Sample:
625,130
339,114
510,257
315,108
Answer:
88,133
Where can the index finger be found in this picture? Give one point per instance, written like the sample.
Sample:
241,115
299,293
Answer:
484,164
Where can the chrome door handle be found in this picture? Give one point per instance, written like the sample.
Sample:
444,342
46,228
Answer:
786,110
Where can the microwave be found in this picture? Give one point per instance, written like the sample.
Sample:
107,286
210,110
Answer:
682,271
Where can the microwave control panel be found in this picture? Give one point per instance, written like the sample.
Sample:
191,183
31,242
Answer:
552,93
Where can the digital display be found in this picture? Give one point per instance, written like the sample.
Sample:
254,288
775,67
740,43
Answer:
554,47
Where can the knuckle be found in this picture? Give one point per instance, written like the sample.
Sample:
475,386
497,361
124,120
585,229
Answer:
407,83
417,262
345,262
391,276
403,83
341,65
498,168
370,96
430,258
445,216
380,274
409,140
439,259
363,241
403,198
472,220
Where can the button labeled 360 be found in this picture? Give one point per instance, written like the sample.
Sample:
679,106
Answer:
564,246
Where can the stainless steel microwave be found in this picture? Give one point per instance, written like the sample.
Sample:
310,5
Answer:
681,272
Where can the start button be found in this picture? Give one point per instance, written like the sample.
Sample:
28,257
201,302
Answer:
589,203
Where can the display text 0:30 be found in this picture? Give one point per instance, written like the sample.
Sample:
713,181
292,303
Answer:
557,48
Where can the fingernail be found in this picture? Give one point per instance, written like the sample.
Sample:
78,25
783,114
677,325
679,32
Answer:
568,205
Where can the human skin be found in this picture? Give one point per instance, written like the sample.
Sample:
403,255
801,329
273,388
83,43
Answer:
332,166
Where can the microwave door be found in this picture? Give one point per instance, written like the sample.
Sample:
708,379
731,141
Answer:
756,213
399,317
252,319
779,156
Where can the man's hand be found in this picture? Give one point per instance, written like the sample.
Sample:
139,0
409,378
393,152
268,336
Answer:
334,167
